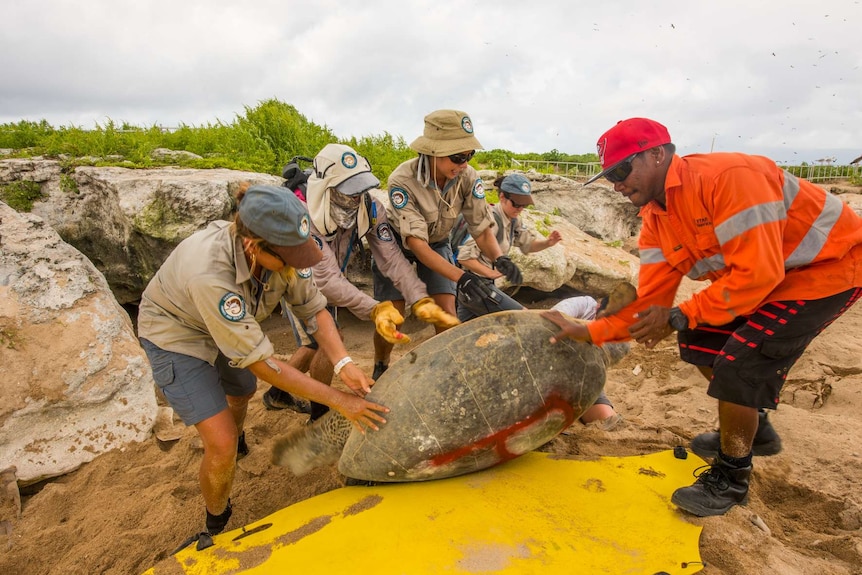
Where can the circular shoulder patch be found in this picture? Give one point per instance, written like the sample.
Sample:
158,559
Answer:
467,124
318,241
348,160
384,233
479,189
304,226
398,197
232,306
304,273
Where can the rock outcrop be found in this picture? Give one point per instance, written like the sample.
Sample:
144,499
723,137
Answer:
75,383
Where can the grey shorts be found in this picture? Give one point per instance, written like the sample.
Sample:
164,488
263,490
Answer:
300,335
195,389
385,290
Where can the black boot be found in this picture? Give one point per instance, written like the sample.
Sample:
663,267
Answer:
241,446
318,410
766,440
718,488
216,523
275,398
379,368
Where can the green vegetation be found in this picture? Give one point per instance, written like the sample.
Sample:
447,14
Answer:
21,194
265,138
9,337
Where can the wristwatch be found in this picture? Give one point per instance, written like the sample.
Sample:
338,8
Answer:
678,320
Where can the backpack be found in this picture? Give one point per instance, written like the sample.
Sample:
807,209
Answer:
459,233
296,179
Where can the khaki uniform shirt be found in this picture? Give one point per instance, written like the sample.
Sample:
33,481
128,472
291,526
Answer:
340,247
429,213
204,300
514,234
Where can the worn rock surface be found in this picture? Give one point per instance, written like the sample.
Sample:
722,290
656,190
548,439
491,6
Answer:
75,383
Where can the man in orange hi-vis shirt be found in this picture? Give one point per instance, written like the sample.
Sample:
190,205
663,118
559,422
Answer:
784,259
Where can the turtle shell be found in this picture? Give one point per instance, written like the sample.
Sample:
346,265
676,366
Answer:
473,396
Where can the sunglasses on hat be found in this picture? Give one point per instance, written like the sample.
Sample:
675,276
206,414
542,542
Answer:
621,171
462,158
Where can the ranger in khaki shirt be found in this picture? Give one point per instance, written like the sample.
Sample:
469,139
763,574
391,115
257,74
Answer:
199,325
426,194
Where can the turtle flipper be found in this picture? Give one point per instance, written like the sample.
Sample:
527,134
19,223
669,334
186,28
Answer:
314,445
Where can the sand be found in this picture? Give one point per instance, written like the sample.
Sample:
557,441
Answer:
128,509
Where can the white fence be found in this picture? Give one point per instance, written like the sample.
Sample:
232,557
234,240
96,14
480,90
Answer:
814,173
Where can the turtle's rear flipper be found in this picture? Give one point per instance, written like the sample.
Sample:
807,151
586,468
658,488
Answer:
314,445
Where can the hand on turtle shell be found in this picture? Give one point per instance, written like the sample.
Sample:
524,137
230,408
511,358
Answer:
361,413
508,268
355,379
571,329
426,310
386,320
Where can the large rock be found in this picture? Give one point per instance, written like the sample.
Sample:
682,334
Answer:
125,220
75,381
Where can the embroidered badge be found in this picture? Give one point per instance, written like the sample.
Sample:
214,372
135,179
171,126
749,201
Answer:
348,160
232,306
318,241
479,189
398,197
384,233
304,273
467,124
304,226
525,187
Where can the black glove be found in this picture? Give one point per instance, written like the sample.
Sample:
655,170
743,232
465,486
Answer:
473,287
508,269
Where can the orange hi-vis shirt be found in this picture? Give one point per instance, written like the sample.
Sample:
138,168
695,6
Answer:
754,230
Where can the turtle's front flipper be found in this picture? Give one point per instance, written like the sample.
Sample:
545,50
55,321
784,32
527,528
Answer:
312,446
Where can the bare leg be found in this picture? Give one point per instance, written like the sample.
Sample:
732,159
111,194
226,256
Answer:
238,406
219,436
596,412
301,358
737,425
447,302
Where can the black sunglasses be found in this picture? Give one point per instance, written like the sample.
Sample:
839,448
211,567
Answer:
267,249
462,158
621,171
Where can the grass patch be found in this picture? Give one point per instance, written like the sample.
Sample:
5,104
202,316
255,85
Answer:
21,194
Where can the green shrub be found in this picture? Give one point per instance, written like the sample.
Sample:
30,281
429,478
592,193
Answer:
21,194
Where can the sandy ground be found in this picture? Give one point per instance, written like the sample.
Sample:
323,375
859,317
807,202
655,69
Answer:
130,508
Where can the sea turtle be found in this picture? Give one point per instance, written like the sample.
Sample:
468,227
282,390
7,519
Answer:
476,395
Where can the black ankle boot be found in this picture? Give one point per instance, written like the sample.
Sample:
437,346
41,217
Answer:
216,523
379,368
766,440
718,488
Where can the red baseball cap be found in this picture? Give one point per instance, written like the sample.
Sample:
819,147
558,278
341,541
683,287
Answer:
625,139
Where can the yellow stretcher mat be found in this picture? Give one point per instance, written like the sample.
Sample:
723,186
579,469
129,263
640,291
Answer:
536,514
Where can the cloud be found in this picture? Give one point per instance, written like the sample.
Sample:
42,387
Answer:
777,78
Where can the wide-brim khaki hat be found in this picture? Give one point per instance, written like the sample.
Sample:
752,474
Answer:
447,132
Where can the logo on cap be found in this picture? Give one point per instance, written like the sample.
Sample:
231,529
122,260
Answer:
525,187
467,124
304,226
479,189
232,306
348,160
601,146
398,197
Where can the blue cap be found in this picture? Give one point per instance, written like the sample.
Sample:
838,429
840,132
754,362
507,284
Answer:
275,214
519,188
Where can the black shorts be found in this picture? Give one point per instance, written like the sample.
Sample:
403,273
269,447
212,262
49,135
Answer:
750,356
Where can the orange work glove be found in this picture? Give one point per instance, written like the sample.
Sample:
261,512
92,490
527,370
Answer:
386,320
426,310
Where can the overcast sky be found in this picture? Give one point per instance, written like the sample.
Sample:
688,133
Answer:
779,78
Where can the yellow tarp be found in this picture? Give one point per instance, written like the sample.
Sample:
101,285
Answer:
535,514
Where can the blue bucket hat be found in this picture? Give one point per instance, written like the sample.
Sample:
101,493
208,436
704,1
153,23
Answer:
519,189
275,214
